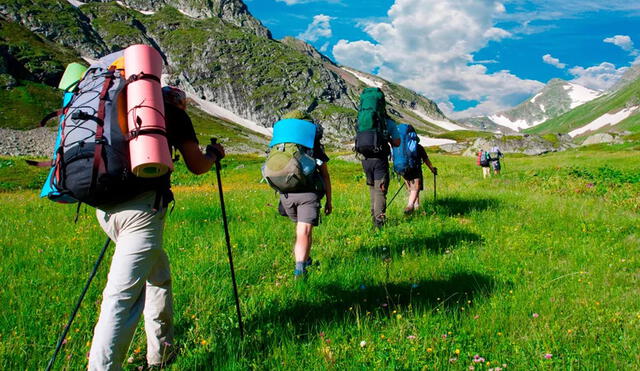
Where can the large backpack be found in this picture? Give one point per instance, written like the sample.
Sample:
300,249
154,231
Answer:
405,156
484,158
91,162
371,133
290,166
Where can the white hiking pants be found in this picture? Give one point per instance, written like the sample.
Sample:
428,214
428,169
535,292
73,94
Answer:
139,280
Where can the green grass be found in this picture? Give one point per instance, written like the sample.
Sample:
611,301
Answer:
543,259
22,107
465,135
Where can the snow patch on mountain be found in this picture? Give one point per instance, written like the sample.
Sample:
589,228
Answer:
445,124
514,125
223,113
145,12
368,81
76,3
430,142
580,95
533,100
604,120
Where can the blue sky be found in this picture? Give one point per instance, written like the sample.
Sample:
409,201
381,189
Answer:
473,57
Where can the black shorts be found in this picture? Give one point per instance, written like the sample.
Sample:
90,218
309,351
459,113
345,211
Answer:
413,178
375,169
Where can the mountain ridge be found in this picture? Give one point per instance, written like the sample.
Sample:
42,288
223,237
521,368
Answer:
213,59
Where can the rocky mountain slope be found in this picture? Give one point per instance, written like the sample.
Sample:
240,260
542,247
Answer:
556,98
631,75
222,57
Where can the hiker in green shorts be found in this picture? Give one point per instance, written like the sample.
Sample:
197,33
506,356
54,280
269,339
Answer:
297,168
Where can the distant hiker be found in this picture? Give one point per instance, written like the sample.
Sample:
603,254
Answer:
494,159
375,131
407,162
139,278
484,162
296,168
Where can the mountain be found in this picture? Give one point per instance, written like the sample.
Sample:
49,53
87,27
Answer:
223,58
556,98
617,111
483,123
631,75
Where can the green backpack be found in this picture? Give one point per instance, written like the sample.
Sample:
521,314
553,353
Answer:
291,168
372,112
371,130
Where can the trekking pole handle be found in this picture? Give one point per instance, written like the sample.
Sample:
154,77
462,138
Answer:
214,141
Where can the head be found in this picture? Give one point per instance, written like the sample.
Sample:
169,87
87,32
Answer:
175,97
298,114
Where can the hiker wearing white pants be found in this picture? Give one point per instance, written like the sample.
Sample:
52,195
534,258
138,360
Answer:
139,280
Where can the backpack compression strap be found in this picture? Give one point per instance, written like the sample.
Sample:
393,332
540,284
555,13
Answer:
47,118
141,76
97,156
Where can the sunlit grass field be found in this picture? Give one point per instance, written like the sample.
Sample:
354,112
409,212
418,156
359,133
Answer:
536,269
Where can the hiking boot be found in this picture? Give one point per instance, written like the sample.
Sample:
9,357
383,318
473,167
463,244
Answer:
300,275
378,222
308,263
160,366
408,210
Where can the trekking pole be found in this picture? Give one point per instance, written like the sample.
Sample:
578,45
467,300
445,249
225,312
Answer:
394,196
226,234
75,310
435,198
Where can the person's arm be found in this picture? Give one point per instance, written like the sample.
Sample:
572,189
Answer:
425,158
430,166
196,161
324,173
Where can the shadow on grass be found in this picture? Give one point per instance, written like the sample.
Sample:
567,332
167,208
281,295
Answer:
439,243
427,294
302,315
458,206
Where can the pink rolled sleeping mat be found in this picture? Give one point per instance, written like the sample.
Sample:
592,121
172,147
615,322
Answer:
149,148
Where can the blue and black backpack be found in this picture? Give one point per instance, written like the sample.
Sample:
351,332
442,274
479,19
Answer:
405,156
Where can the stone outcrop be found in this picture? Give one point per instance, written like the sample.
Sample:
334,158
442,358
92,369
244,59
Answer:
526,144
602,138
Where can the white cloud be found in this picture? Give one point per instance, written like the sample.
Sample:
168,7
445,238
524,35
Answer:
600,77
547,58
319,28
428,46
529,10
324,47
624,42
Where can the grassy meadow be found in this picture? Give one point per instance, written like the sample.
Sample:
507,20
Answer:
536,269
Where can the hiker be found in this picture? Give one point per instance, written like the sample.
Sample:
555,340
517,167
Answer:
139,277
296,168
375,132
494,159
483,161
414,181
